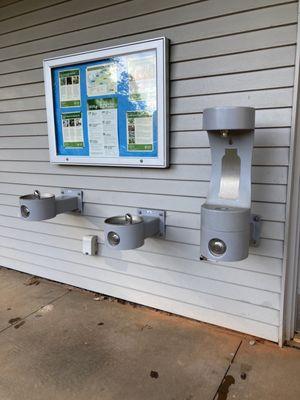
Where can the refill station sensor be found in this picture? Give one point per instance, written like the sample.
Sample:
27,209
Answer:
226,222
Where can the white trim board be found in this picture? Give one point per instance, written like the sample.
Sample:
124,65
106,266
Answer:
292,227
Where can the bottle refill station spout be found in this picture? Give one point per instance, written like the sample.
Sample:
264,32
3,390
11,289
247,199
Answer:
38,206
126,232
226,221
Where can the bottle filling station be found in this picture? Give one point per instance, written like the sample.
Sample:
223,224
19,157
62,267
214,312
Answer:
226,221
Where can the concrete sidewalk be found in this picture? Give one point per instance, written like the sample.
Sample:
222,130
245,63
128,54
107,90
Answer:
62,344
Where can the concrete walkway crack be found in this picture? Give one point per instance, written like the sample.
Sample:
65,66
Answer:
218,394
33,312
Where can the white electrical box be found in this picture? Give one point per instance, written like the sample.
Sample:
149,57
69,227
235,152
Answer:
90,245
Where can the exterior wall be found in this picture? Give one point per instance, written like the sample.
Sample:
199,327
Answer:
222,53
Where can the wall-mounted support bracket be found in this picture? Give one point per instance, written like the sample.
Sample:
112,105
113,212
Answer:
157,214
72,193
255,229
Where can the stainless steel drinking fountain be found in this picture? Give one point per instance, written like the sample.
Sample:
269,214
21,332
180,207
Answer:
40,206
227,225
126,232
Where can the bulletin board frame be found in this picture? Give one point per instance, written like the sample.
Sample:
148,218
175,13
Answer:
161,157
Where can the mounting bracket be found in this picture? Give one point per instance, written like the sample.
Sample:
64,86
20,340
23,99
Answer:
71,193
255,229
160,214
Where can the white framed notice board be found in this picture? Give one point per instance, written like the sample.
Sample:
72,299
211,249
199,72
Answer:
109,106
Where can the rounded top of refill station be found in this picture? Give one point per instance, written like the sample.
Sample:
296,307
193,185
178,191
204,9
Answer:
229,118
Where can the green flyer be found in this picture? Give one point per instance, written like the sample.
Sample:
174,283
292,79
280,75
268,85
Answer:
139,131
69,88
72,130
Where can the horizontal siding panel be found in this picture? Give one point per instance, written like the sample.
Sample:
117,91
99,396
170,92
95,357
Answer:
71,226
21,78
254,60
264,330
262,174
186,250
178,156
273,98
181,227
173,278
233,63
5,3
274,212
215,272
169,247
31,103
239,43
189,296
256,80
23,129
268,248
257,99
187,51
270,229
264,137
35,14
181,188
41,24
22,91
221,53
263,119
258,19
22,7
23,117
110,14
261,156
25,86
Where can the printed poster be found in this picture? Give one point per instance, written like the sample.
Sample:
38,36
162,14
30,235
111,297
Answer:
139,131
69,88
72,130
101,79
103,127
142,78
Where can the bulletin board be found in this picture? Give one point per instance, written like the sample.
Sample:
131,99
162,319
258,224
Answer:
109,106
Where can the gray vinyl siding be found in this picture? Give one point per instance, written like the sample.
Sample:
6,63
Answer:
222,53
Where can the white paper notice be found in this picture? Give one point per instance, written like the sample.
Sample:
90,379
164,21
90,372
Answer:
101,79
72,130
142,78
139,131
103,127
69,88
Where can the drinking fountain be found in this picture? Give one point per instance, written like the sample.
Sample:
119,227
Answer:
126,232
40,206
227,225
